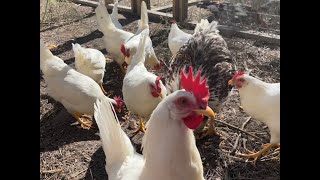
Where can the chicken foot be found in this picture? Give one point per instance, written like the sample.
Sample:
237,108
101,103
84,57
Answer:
211,129
141,126
77,116
52,46
104,92
258,154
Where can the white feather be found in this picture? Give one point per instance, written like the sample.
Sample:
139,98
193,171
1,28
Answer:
133,42
261,101
122,162
68,86
170,150
137,81
177,38
112,36
114,15
90,62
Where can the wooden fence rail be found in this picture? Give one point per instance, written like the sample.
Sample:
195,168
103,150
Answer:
180,13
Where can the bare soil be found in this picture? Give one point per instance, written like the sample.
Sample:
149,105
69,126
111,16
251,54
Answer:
69,152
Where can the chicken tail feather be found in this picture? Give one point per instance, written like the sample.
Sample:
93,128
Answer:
103,18
115,143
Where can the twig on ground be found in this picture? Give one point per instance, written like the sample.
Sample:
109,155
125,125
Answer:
51,171
235,145
234,127
245,145
45,11
237,158
91,173
78,173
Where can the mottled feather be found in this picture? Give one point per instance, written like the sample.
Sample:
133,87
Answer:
206,51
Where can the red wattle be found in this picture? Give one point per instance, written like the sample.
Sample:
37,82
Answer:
193,121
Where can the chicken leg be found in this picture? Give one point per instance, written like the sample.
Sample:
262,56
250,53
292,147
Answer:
124,67
77,115
104,92
141,126
211,129
258,154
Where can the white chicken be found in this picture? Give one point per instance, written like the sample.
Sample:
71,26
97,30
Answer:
90,62
169,147
130,46
113,37
114,15
261,101
177,38
142,90
75,91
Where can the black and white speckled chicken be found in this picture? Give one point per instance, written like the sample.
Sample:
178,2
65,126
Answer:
206,51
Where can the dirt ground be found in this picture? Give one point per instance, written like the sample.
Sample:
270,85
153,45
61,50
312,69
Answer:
69,152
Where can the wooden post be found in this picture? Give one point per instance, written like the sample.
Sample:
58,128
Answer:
134,6
106,2
180,10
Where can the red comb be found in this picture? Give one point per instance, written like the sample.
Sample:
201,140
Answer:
193,85
239,74
118,100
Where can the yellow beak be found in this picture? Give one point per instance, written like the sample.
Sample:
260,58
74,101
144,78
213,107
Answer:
127,59
206,112
230,82
160,95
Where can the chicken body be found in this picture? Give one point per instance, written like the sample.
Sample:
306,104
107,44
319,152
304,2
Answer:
261,101
169,148
136,93
113,37
207,51
264,105
136,85
177,38
130,47
90,62
75,91
150,56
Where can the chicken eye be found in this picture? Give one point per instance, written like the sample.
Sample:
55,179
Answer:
183,101
241,80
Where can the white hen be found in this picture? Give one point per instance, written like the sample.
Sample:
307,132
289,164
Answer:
261,101
114,15
169,147
142,90
90,62
75,91
113,37
129,48
177,38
